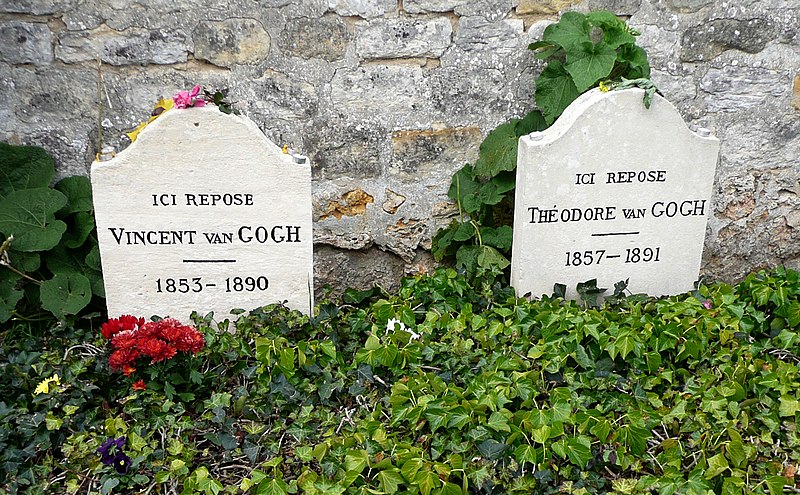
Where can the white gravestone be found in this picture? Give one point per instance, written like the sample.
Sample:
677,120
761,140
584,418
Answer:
612,191
203,213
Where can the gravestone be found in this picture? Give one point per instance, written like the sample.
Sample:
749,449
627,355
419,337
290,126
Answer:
203,213
612,191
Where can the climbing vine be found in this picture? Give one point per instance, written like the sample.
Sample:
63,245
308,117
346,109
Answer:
583,51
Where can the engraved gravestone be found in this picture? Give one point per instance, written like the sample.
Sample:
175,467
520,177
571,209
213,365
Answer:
203,213
612,191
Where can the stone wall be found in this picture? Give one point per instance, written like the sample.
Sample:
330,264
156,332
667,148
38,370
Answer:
389,97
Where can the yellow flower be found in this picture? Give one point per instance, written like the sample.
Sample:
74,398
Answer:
604,87
44,385
162,106
285,149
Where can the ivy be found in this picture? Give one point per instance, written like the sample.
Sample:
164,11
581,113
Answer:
582,51
444,386
49,257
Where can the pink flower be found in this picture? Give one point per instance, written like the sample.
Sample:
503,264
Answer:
707,304
185,99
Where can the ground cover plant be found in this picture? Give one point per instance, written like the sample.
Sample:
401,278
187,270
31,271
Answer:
443,387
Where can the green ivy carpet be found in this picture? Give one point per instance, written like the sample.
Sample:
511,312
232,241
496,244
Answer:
444,387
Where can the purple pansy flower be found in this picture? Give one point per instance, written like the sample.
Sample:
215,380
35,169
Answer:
111,454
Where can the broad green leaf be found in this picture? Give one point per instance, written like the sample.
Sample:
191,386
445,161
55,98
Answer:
532,122
9,294
28,215
636,58
390,480
272,486
489,257
555,90
450,489
427,481
80,225
356,460
65,294
498,151
78,191
572,29
589,63
579,450
464,232
601,429
464,189
788,406
716,465
24,167
492,449
498,422
25,262
775,484
92,259
736,453
500,238
504,182
410,468
526,453
615,31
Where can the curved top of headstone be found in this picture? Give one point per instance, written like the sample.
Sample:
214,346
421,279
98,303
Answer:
621,102
205,129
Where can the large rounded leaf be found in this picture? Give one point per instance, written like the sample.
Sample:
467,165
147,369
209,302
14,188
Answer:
65,294
28,215
9,294
78,191
24,167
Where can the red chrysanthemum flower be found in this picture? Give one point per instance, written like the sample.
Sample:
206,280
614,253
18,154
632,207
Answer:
124,322
139,385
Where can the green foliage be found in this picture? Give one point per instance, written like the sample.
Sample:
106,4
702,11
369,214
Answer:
49,257
582,50
443,387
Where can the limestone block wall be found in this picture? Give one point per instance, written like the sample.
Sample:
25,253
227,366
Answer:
389,97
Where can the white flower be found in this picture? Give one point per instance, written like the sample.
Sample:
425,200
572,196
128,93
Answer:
395,325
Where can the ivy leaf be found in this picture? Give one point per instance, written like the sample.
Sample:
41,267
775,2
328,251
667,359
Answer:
716,465
450,489
588,63
775,484
615,31
427,481
356,460
78,191
572,29
788,406
498,422
555,90
390,480
579,451
28,215
736,453
24,167
273,486
492,449
65,294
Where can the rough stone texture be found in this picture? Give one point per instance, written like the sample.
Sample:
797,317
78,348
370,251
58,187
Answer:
315,92
231,42
324,38
367,9
543,6
26,43
130,47
401,38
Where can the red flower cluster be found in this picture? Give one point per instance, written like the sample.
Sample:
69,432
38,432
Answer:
132,338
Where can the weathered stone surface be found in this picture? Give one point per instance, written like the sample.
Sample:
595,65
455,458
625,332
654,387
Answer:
733,89
542,7
131,47
382,90
427,6
477,33
174,239
341,149
367,9
336,270
393,202
350,204
419,153
232,41
324,38
796,92
491,10
403,38
688,6
26,43
628,201
35,7
710,39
